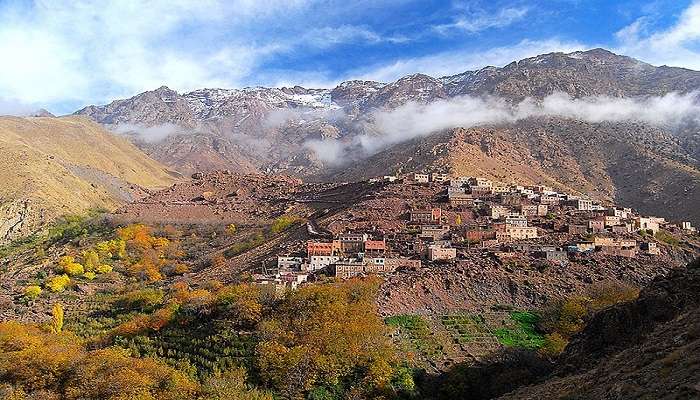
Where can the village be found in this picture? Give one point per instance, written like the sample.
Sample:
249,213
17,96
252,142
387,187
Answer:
473,217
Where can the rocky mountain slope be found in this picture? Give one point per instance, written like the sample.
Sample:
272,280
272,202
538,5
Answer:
626,163
322,133
270,127
645,349
55,166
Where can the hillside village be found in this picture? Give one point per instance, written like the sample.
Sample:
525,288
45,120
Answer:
469,217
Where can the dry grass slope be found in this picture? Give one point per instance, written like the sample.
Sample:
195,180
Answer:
53,166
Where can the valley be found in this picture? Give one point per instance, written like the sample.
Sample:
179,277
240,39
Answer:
360,241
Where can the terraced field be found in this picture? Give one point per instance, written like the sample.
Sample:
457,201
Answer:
436,342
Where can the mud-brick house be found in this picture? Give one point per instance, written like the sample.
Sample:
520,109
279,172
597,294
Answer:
548,199
352,242
618,251
478,234
688,227
395,263
596,225
349,268
647,223
421,178
374,247
575,229
320,262
534,210
289,262
436,253
482,182
611,220
521,232
435,177
435,232
314,248
622,228
650,248
460,199
496,211
511,199
480,191
425,216
580,204
558,256
516,220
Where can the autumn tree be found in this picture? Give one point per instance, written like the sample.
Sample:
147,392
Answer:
322,335
57,318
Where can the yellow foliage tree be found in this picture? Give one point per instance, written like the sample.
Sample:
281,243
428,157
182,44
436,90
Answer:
321,335
57,318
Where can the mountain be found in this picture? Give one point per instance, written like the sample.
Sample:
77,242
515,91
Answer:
55,166
622,163
583,73
322,133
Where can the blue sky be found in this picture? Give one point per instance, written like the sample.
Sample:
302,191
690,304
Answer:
64,55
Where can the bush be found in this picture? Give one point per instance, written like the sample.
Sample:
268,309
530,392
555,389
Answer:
74,269
58,283
666,237
282,223
104,269
89,275
32,292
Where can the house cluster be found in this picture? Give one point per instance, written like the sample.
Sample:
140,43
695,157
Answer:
470,215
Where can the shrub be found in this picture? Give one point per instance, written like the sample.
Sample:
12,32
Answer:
89,275
58,283
74,269
667,238
32,292
283,223
143,299
104,269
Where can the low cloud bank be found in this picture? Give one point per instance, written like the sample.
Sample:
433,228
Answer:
148,133
412,120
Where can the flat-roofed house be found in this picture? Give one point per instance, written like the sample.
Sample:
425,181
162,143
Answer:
647,223
428,215
521,232
580,204
441,253
421,178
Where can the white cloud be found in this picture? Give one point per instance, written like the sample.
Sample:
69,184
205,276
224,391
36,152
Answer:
676,45
63,51
416,119
453,62
480,21
149,133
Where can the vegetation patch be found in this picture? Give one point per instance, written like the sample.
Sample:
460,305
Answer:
520,331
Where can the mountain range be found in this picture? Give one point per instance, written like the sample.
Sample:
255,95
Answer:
341,133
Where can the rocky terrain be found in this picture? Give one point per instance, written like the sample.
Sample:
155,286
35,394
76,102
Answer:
644,349
625,163
55,166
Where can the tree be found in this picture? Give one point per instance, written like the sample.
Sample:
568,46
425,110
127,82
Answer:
321,335
458,220
57,318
